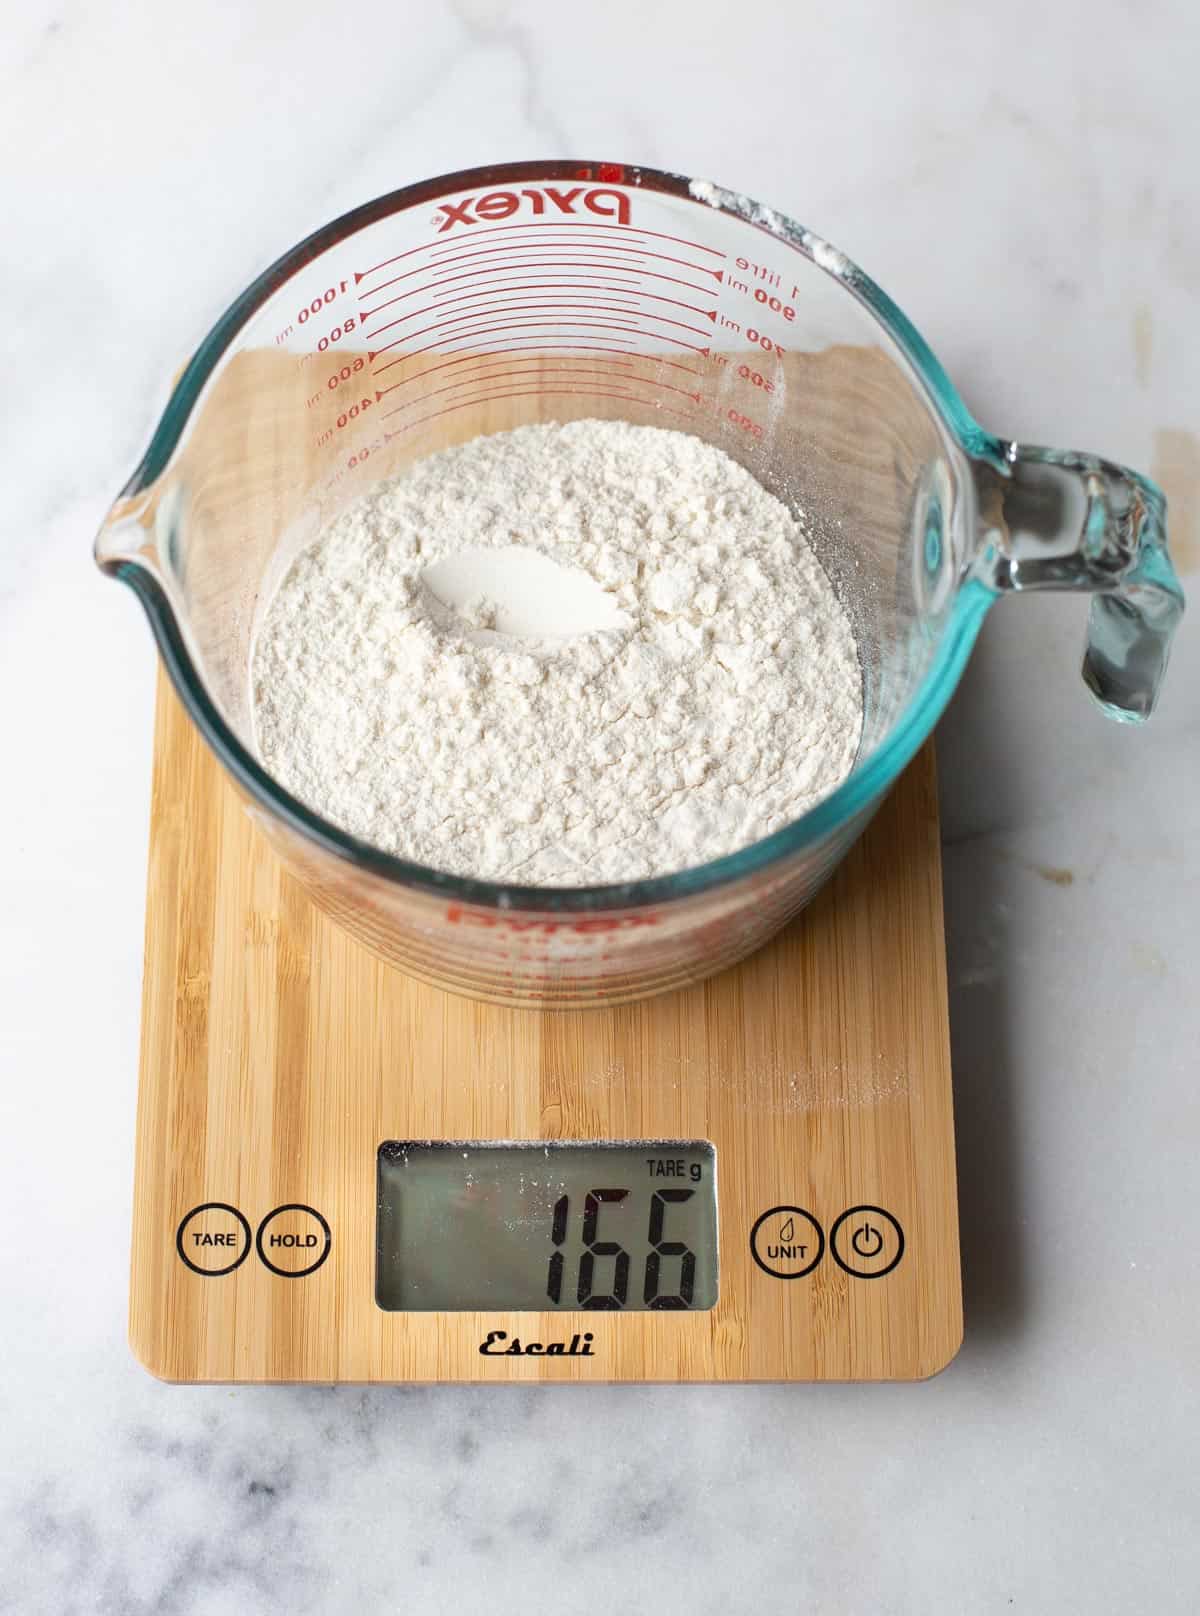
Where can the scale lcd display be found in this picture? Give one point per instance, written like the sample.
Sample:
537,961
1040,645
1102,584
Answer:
539,1227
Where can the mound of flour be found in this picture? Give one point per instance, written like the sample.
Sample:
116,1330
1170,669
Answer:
654,669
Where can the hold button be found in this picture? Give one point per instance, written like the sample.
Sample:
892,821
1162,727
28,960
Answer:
294,1240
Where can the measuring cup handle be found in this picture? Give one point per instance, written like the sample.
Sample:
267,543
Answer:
1055,519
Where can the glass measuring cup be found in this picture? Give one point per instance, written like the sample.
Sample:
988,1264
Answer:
558,291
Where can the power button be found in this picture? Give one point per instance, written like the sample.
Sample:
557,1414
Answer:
866,1242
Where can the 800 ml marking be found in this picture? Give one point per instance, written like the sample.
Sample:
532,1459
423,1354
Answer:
338,332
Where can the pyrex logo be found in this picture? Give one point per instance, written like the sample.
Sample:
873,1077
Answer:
546,199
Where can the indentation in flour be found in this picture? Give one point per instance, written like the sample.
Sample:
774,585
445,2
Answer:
562,655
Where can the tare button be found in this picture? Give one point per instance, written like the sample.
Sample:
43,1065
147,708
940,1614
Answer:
294,1240
213,1239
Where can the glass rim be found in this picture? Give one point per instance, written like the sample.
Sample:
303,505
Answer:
868,779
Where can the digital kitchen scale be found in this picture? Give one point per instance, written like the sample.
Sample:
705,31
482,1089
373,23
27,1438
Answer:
345,1175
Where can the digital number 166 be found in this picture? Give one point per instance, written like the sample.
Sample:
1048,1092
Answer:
652,1294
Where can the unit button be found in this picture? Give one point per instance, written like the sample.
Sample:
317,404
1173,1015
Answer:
787,1242
213,1239
293,1240
867,1242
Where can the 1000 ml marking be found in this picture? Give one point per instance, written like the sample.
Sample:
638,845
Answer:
756,272
330,295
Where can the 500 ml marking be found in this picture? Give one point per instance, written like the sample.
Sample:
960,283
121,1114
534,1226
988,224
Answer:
746,422
755,378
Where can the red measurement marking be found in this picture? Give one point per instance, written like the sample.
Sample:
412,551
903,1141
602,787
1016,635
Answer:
433,269
437,266
533,370
616,280
626,231
537,392
473,247
525,308
548,264
483,270
614,270
620,230
374,291
465,293
441,247
657,359
580,236
517,325
610,252
494,298
560,286
361,275
450,364
474,305
500,287
476,314
559,348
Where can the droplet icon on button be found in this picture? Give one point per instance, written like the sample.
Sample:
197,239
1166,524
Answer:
787,1242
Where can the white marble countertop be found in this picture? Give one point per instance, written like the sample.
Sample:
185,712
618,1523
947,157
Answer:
1022,182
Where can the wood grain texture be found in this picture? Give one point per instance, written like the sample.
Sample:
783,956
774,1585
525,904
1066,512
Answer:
277,1054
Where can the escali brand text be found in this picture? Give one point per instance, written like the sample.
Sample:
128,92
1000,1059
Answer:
546,199
580,1346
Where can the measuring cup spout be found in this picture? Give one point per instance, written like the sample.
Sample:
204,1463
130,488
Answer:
126,537
1057,519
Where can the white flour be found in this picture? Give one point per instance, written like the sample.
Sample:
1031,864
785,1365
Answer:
676,679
